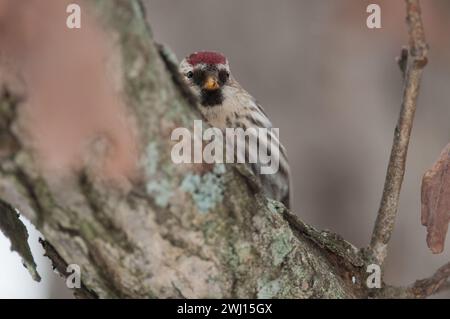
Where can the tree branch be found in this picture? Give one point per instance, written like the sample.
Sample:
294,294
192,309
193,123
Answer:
438,282
411,64
177,231
433,285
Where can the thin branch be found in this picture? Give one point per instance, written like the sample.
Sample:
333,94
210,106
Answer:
412,65
438,282
433,285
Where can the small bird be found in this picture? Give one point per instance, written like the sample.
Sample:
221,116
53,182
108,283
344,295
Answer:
225,104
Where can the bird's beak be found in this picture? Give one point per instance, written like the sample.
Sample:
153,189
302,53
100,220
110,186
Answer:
211,83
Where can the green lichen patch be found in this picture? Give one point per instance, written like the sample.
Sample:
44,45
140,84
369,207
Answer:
206,190
268,289
151,159
160,190
244,252
275,207
281,247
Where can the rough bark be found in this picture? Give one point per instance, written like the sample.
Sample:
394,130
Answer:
180,232
186,231
411,62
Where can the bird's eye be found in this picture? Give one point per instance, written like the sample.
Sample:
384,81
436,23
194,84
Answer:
224,75
190,74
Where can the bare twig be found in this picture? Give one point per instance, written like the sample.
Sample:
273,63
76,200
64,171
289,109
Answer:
438,282
433,285
411,64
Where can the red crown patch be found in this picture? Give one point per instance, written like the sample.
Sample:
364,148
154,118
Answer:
206,58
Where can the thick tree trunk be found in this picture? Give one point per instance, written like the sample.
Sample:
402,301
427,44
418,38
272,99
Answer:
176,231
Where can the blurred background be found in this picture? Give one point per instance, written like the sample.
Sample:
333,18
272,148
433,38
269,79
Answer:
333,88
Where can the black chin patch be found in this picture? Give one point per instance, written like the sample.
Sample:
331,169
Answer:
211,97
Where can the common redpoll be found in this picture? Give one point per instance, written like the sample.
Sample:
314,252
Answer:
225,104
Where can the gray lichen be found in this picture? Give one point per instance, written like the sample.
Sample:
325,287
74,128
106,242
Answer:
206,190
